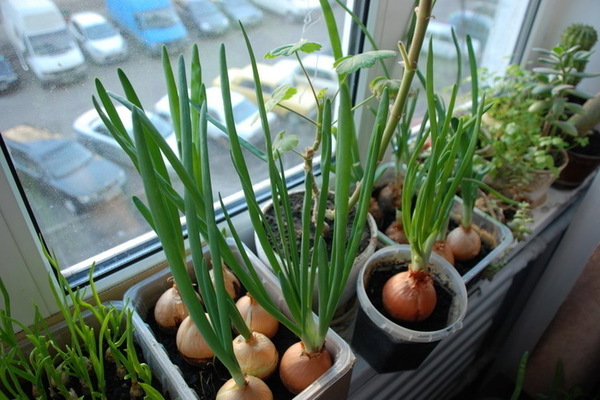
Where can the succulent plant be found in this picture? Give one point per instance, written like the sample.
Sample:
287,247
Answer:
582,35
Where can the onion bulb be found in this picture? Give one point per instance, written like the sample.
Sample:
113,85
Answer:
255,389
390,197
465,243
191,344
409,296
231,282
256,317
396,232
169,310
376,211
257,356
442,248
298,369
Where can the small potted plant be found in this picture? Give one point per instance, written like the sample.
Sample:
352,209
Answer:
403,289
584,149
96,350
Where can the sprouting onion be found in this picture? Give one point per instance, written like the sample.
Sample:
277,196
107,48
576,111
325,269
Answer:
295,266
427,197
215,315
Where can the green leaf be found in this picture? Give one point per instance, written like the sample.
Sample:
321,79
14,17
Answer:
289,49
284,143
350,64
280,94
546,71
542,88
559,88
575,108
538,106
566,127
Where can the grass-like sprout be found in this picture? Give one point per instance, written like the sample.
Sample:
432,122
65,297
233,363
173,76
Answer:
49,366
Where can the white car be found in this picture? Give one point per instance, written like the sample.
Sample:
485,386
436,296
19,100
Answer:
319,68
92,133
293,10
245,114
98,38
443,45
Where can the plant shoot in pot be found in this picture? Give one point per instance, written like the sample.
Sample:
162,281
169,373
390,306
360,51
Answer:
213,316
427,196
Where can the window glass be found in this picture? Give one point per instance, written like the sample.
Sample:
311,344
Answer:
81,195
90,216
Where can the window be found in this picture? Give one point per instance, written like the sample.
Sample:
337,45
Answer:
112,233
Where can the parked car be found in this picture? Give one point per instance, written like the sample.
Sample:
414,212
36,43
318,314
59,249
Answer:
203,15
38,32
92,133
242,11
151,22
319,68
245,114
271,77
443,45
8,76
97,37
81,178
293,10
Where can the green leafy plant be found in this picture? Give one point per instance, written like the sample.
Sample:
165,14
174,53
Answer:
77,368
553,91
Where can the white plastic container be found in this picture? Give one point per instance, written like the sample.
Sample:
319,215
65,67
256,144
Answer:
333,384
161,367
388,346
345,315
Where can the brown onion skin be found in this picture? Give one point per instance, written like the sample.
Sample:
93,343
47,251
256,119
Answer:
169,310
256,317
390,197
465,243
232,284
191,344
257,356
442,248
298,369
255,389
409,296
396,232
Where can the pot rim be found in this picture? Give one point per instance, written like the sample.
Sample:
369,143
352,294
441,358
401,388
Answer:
443,272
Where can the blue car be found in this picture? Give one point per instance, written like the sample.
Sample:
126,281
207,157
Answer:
8,77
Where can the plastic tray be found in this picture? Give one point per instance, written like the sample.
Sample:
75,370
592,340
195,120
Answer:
333,384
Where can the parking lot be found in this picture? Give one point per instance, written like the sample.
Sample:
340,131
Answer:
78,237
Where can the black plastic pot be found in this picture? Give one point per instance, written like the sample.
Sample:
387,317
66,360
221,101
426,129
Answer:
582,162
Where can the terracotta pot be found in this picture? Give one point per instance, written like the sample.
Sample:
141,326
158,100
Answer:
388,346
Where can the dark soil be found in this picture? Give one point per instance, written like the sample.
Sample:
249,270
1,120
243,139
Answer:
593,147
436,321
296,199
207,379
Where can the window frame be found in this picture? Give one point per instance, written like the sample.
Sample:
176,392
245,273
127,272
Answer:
25,270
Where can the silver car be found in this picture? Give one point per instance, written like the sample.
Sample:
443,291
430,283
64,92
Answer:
245,115
93,134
